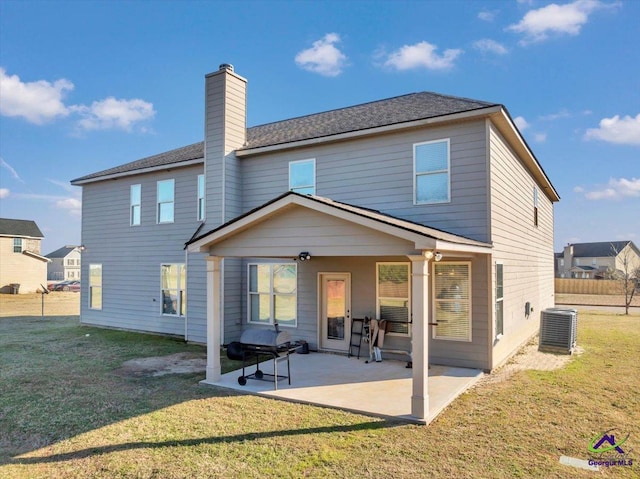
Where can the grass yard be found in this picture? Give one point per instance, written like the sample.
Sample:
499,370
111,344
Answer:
68,411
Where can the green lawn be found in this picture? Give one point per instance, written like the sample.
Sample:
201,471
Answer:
66,410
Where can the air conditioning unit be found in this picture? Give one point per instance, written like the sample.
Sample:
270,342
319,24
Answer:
558,328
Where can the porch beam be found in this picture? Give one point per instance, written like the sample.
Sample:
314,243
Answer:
214,318
420,336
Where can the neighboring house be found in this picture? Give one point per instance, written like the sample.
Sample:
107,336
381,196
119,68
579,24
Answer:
601,260
422,209
22,268
65,264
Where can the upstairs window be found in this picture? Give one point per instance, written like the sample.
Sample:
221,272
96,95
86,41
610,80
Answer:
165,201
200,197
17,245
136,197
535,206
431,182
302,176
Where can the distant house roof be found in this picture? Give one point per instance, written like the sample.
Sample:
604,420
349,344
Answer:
27,228
61,252
392,111
600,249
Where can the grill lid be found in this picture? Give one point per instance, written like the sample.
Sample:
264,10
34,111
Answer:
265,337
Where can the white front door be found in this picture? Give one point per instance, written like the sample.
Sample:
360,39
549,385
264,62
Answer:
335,311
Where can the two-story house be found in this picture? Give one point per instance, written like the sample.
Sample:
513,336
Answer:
428,210
599,260
22,268
65,264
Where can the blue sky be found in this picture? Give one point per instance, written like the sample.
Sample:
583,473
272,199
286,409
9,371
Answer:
88,85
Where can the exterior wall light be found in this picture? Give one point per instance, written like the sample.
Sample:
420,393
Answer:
304,256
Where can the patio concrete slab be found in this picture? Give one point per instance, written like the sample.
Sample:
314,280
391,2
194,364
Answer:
380,389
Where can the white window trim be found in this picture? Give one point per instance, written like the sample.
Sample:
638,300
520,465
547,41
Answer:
434,299
165,202
132,204
21,240
271,294
410,311
501,300
201,213
91,287
178,313
448,171
308,160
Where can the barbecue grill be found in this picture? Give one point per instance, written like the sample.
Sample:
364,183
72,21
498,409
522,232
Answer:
256,343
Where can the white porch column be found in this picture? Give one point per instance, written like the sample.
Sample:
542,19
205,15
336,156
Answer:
214,317
420,336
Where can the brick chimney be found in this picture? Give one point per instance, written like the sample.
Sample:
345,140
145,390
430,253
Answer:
225,131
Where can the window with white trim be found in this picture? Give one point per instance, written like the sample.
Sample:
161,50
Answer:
452,301
17,245
273,294
499,299
535,206
431,175
302,176
173,282
95,286
135,201
166,194
200,197
393,287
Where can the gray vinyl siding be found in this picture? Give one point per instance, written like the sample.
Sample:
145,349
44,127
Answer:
525,250
377,173
131,256
196,330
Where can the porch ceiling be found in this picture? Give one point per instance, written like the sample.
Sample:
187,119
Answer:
293,223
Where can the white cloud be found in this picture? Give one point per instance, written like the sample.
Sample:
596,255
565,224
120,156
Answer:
569,18
42,101
323,57
487,45
622,131
487,16
616,189
10,169
37,102
4,193
578,189
422,55
114,113
73,205
540,137
564,113
521,123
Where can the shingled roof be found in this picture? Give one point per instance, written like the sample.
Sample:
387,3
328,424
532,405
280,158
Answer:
392,111
28,228
61,252
598,250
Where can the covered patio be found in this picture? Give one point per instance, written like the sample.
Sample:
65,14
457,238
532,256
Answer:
381,389
325,229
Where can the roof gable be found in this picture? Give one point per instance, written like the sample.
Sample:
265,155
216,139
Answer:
11,227
61,252
422,236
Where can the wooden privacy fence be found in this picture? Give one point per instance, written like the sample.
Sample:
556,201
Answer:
586,286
